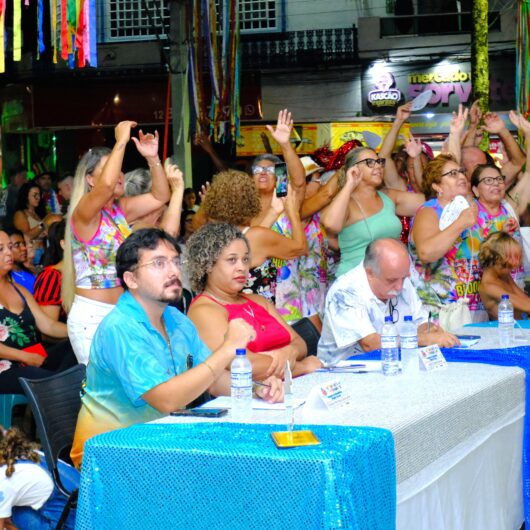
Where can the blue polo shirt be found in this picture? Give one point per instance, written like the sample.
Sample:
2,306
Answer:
129,357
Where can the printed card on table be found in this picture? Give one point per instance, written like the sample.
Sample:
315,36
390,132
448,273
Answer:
330,395
431,358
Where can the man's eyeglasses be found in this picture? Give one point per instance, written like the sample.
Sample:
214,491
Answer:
256,170
159,264
489,181
371,162
393,311
454,172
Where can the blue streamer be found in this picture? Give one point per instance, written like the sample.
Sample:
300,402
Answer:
93,56
40,43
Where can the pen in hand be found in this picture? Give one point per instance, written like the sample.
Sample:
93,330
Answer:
259,383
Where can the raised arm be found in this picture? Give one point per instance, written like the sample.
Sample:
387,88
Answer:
87,213
414,149
456,131
203,141
516,157
321,198
475,115
282,135
140,205
266,243
519,195
170,222
391,176
335,216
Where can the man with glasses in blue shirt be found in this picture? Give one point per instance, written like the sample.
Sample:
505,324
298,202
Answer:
359,300
146,358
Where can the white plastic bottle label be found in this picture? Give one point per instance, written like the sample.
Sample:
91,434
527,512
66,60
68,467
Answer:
389,341
505,317
409,342
242,379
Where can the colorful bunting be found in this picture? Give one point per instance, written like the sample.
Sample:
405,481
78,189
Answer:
214,37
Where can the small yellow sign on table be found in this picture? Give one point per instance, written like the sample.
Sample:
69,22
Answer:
286,439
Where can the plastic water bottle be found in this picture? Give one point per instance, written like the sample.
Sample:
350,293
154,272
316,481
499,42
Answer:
409,345
389,348
506,322
241,386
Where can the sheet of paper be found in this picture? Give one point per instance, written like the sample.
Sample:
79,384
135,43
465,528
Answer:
225,402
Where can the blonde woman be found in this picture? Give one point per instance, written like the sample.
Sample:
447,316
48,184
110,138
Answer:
97,223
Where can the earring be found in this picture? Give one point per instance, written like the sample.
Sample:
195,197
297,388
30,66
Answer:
439,194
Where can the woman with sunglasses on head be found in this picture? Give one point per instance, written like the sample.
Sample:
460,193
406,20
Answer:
362,211
98,222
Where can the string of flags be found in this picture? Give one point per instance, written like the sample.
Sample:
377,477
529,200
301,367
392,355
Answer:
73,30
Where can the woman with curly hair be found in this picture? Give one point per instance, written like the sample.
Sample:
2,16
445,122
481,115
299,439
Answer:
27,495
219,256
500,254
233,198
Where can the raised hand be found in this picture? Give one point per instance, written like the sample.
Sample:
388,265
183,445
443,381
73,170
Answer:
413,147
147,144
122,131
493,123
353,178
284,126
203,140
204,190
175,178
520,122
458,121
475,114
404,111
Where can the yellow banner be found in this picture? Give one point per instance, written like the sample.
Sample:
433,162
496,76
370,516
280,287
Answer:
307,137
367,132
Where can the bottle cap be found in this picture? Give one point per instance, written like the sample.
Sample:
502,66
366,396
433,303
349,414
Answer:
241,351
505,297
408,318
388,318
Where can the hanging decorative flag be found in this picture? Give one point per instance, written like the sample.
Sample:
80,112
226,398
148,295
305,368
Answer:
522,76
73,30
214,36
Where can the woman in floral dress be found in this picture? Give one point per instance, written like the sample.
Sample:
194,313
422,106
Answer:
21,353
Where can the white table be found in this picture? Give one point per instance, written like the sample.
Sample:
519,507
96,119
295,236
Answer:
457,434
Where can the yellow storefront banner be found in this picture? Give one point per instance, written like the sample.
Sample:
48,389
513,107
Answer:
307,137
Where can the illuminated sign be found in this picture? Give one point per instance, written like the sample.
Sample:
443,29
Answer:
384,93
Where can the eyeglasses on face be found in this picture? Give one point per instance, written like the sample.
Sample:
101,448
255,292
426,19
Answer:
489,181
160,263
262,169
371,162
454,172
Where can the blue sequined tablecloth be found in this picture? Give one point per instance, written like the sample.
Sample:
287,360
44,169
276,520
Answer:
232,476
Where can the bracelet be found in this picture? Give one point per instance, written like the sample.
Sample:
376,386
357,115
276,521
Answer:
210,368
155,165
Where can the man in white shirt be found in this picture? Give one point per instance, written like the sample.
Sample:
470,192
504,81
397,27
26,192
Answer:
359,300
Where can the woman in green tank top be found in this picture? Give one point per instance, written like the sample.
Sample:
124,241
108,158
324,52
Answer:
362,212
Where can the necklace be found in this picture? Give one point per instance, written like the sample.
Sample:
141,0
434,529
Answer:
220,300
250,312
169,347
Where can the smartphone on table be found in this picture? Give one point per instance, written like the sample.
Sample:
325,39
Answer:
200,412
282,179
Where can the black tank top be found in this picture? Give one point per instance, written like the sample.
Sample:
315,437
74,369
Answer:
18,330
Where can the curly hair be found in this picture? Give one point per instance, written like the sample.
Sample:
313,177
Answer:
14,446
432,174
232,198
204,248
497,249
351,159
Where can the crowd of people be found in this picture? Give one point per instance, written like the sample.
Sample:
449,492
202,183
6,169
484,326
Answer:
94,271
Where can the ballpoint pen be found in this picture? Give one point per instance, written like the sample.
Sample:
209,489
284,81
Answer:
259,383
429,322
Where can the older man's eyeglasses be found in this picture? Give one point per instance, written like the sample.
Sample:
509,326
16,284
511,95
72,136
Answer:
371,162
454,172
256,170
160,263
489,181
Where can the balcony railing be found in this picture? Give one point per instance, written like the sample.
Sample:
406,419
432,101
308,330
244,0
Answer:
434,24
319,47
